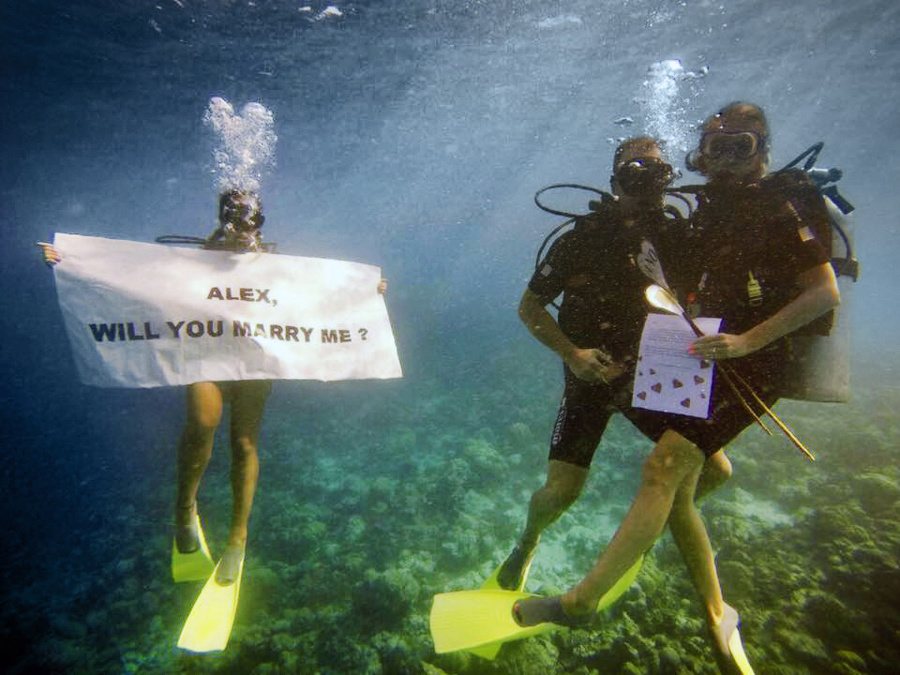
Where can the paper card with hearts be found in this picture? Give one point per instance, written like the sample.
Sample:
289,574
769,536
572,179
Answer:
667,377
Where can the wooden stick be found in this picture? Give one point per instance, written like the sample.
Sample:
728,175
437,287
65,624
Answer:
727,373
781,425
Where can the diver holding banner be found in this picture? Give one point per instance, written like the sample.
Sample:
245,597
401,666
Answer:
226,347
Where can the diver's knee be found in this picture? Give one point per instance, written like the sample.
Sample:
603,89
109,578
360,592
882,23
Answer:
558,496
243,447
718,468
198,432
673,457
725,468
656,472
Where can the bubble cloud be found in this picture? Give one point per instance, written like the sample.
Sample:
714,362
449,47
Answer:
245,146
665,106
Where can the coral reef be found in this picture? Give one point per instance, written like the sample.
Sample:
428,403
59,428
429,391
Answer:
362,515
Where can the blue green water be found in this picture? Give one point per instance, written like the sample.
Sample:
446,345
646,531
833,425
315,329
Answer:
413,135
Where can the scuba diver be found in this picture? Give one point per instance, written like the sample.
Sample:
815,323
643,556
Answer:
750,255
597,268
209,624
240,220
753,258
594,267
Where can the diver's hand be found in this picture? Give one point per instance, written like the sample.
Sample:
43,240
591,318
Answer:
51,255
721,346
382,286
593,365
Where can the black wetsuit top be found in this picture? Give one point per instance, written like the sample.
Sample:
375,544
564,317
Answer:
740,261
748,246
594,267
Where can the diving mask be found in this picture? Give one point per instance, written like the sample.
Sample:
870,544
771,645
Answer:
644,177
735,144
242,211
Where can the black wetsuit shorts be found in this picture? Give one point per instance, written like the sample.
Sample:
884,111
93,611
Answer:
583,414
728,417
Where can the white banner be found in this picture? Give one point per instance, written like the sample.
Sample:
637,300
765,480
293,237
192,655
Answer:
149,315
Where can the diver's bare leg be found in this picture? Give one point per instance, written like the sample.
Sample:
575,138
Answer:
716,472
560,490
562,487
692,539
673,461
204,412
247,406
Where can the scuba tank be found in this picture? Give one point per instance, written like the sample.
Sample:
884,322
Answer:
819,365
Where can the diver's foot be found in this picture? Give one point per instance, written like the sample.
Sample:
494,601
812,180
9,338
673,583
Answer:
230,564
727,644
513,570
187,534
541,609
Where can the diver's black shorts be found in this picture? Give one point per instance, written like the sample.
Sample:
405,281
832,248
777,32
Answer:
728,417
583,414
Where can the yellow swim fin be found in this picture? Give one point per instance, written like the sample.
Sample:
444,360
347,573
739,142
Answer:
490,651
467,619
729,649
196,565
491,582
480,621
208,626
738,655
622,585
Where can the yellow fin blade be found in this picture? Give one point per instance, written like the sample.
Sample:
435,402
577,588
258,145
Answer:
467,619
194,566
622,585
738,655
208,626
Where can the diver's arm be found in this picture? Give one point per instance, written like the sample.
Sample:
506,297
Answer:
591,365
541,324
819,295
